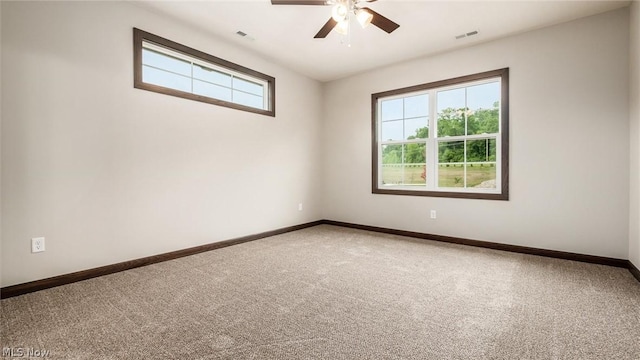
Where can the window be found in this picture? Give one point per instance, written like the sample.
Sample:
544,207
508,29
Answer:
163,66
448,138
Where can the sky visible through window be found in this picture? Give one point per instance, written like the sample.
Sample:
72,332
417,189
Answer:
167,71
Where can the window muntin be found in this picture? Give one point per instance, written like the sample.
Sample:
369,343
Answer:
466,154
163,66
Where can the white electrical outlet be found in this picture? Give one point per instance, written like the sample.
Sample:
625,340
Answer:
300,207
433,214
37,245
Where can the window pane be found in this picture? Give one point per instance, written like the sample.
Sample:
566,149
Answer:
416,128
451,175
248,87
451,164
454,99
416,106
392,171
451,112
212,76
210,90
243,98
166,79
481,175
484,105
481,150
415,175
391,130
483,96
391,110
451,152
493,149
404,164
165,62
415,164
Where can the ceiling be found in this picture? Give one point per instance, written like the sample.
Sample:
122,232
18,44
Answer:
285,33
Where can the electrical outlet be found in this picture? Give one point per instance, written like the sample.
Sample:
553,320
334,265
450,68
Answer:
300,207
433,214
37,245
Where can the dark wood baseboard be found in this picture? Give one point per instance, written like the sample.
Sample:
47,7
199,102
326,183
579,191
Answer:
634,270
490,245
20,289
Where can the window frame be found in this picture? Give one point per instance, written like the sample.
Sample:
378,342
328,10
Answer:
202,59
502,169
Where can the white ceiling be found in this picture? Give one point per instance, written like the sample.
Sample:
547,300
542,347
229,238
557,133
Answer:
285,33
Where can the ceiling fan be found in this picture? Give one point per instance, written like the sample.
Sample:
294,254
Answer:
341,12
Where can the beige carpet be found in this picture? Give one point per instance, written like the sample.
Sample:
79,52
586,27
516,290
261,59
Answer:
333,293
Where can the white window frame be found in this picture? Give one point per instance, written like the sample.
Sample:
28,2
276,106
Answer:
431,187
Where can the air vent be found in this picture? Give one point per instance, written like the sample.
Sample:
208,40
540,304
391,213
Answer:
244,35
462,36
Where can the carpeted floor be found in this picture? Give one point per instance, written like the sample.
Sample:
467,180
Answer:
333,293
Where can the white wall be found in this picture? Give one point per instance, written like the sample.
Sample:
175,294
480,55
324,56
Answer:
634,120
569,139
109,173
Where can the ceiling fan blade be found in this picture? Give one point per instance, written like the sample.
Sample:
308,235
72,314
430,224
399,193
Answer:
298,2
382,22
326,29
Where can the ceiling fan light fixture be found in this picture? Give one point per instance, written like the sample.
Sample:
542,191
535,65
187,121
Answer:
339,12
343,27
364,17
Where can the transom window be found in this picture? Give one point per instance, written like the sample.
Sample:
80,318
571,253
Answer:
448,138
173,69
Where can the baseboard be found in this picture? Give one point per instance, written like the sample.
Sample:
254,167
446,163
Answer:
491,245
634,270
20,289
